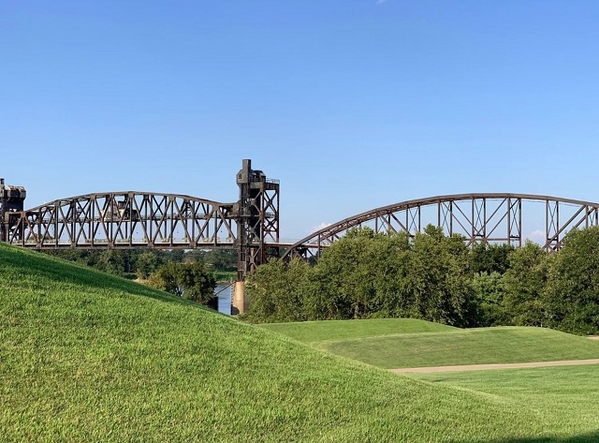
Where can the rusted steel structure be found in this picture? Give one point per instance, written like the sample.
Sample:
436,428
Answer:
257,217
140,219
124,220
12,199
251,224
487,218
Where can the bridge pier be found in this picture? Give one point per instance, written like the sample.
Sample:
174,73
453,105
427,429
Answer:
239,302
257,217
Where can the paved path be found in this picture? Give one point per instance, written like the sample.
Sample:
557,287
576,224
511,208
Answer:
539,364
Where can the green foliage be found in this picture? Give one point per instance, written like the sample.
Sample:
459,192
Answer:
524,285
221,259
225,276
217,259
366,274
147,263
274,291
439,278
349,279
188,280
112,261
489,294
572,295
489,258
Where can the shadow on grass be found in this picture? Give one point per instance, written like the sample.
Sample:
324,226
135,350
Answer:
592,437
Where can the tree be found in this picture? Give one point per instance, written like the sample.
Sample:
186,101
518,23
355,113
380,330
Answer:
187,280
524,285
347,270
275,290
489,294
490,258
440,277
147,262
359,276
572,296
111,261
222,259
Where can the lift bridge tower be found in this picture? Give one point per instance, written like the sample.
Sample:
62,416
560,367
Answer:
257,217
12,199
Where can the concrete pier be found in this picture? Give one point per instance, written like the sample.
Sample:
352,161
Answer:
239,303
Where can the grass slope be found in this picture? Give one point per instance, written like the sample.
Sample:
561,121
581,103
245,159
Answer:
568,395
464,347
315,331
90,357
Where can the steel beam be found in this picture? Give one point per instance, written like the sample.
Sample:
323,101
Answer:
487,218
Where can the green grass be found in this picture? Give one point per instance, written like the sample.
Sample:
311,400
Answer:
569,396
465,347
90,357
316,331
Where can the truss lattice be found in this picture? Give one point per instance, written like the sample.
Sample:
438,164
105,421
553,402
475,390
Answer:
486,218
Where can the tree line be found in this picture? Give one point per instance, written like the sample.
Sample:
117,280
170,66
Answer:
189,274
438,278
141,263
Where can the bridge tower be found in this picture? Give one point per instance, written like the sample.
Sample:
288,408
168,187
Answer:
257,217
12,199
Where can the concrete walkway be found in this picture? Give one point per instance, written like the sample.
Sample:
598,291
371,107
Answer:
539,364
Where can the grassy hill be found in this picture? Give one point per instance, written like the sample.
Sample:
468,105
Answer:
317,331
408,343
90,357
569,396
465,347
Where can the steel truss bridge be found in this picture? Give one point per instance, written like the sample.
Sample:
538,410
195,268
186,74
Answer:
480,218
117,220
250,225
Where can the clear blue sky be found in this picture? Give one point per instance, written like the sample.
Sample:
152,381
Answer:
352,104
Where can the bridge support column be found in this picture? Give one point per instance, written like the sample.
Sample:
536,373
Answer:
239,301
257,217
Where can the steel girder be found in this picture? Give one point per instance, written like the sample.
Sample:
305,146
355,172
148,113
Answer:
167,221
258,218
164,221
125,220
486,218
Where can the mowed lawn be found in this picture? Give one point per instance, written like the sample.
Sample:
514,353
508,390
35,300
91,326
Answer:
408,343
568,396
317,331
89,357
465,347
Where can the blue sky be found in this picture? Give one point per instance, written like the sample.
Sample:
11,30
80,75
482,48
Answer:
352,104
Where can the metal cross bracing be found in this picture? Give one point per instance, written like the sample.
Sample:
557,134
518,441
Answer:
125,220
131,219
486,218
251,225
257,215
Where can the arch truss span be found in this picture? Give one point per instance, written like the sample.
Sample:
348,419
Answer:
487,218
125,220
